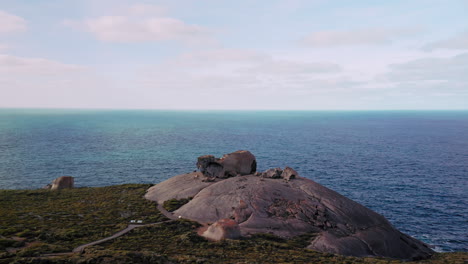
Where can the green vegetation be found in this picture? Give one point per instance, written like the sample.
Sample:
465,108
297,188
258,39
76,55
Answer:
58,221
174,204
38,222
7,243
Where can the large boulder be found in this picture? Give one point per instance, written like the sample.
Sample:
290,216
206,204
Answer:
287,206
63,182
223,229
241,162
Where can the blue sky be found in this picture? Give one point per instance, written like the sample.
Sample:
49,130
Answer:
211,54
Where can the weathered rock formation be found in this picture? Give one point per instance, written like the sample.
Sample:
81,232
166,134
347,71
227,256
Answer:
63,182
241,162
281,202
223,229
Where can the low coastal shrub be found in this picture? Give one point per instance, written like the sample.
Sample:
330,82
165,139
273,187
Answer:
75,216
174,204
10,243
51,222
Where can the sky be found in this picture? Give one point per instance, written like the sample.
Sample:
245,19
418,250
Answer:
235,55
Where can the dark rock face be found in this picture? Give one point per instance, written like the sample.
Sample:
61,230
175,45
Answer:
283,203
241,162
63,182
204,162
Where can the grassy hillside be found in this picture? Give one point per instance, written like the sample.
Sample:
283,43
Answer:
34,223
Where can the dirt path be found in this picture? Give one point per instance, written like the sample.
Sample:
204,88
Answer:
129,228
167,214
121,232
80,249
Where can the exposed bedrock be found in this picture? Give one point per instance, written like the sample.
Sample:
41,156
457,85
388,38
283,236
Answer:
281,202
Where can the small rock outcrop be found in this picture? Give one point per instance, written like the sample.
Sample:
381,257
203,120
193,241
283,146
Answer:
223,229
63,182
278,173
289,173
241,162
280,202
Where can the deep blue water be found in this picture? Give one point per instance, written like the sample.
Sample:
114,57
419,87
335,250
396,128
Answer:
412,167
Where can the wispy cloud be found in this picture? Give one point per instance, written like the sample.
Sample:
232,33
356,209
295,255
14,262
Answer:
34,66
459,41
10,23
233,73
370,36
448,69
4,47
142,23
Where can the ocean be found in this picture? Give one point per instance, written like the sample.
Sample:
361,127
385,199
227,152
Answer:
410,166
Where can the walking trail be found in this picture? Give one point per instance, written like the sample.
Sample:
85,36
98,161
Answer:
126,230
81,248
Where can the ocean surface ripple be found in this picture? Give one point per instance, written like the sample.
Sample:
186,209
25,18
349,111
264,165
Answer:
410,166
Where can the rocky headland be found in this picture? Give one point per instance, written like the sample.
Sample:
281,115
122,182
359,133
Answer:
231,199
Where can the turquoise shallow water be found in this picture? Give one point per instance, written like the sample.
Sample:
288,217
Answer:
412,167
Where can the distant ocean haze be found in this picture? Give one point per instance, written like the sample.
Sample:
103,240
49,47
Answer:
410,166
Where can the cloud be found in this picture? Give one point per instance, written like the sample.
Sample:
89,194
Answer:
10,23
212,77
40,82
426,83
4,47
249,61
124,29
359,12
147,9
142,23
452,70
217,58
34,66
288,67
370,36
459,41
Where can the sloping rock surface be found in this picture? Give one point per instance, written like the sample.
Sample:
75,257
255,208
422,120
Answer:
63,182
288,207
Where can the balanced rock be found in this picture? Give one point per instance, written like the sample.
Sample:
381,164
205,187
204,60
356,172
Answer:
241,162
223,229
287,208
63,182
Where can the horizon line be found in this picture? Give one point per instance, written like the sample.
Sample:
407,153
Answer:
227,109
